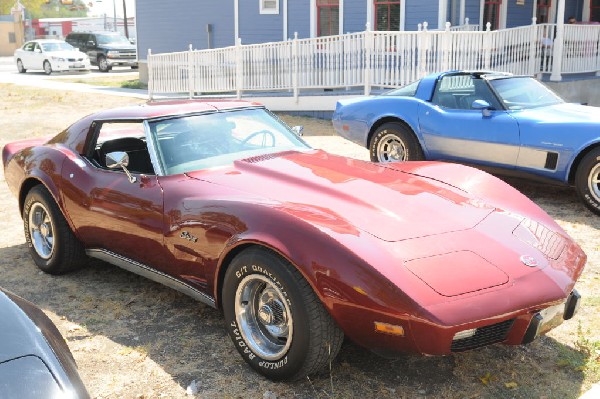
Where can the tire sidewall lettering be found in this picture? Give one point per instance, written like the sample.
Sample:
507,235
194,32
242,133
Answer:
241,345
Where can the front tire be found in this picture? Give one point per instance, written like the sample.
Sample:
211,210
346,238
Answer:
394,142
52,245
274,318
47,68
20,66
587,180
103,64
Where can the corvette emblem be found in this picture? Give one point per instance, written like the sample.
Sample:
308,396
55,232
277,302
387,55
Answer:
529,261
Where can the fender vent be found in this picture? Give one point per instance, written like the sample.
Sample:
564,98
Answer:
484,336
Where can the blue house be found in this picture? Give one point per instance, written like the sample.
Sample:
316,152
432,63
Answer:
164,26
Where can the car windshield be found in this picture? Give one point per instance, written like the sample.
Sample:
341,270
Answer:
406,91
112,39
64,46
524,92
212,140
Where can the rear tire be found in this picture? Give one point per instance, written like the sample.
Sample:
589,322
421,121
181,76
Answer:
47,68
20,66
274,318
393,142
587,180
52,245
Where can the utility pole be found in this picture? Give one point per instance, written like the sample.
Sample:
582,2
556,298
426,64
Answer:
125,19
115,15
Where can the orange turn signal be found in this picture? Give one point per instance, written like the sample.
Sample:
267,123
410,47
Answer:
389,328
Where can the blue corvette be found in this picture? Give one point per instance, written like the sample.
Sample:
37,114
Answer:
503,123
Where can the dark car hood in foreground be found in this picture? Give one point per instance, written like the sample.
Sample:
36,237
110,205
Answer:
388,204
35,361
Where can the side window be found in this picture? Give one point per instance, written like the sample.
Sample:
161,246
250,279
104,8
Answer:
29,46
459,92
123,137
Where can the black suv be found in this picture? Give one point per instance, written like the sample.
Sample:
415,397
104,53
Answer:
105,49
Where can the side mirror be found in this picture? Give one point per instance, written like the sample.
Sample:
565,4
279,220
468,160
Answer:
91,43
298,130
119,159
483,105
37,50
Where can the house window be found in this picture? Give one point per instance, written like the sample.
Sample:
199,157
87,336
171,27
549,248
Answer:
12,38
595,10
387,15
543,11
491,13
269,6
328,17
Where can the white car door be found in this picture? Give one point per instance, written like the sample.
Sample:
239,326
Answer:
26,55
37,57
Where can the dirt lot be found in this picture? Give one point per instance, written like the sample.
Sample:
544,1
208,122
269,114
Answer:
133,338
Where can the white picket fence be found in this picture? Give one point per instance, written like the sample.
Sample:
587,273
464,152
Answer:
372,59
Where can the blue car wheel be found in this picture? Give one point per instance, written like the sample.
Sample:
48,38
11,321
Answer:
587,180
394,142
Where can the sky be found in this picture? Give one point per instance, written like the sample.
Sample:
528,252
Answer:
100,7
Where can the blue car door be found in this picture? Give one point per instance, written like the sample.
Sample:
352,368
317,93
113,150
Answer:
453,130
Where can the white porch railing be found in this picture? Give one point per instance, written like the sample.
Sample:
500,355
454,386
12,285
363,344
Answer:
371,59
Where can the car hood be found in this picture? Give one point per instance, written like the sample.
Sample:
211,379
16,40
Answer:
564,113
67,54
387,203
114,46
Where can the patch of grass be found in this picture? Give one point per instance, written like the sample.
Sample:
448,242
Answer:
114,81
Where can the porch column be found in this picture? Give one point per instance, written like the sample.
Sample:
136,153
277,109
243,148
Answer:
557,50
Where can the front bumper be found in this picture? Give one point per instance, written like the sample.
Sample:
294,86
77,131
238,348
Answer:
121,62
61,66
546,319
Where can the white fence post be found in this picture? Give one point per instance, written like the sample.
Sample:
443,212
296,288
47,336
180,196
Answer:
531,68
559,42
295,66
369,38
446,47
190,73
423,44
487,46
239,68
150,76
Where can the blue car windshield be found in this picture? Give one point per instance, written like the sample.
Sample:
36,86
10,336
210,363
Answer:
218,139
523,93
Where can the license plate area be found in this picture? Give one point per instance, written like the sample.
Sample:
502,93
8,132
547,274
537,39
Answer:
551,317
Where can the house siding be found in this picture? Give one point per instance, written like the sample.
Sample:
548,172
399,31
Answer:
255,27
299,18
418,11
163,27
472,11
518,15
355,16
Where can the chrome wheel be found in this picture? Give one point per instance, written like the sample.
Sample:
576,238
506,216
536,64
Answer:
390,148
263,316
594,182
103,64
41,231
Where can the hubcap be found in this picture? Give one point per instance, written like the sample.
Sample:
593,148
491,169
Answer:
594,182
47,67
264,317
390,148
41,230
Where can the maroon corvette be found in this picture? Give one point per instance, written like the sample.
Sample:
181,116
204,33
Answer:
222,201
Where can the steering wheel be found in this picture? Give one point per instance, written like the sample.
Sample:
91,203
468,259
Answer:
264,133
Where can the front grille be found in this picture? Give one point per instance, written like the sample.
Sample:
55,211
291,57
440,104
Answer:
484,336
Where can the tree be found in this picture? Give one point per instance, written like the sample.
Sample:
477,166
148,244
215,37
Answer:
47,8
30,5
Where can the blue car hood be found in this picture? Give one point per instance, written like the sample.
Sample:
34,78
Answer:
563,113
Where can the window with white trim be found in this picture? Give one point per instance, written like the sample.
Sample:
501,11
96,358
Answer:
269,6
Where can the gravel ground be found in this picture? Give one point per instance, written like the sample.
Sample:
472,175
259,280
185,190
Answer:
133,338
